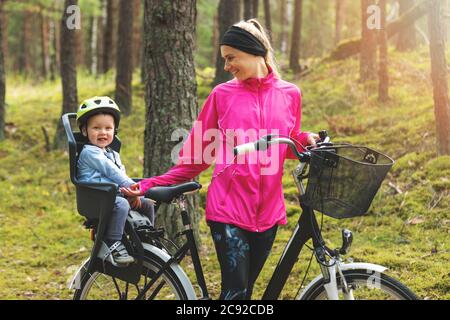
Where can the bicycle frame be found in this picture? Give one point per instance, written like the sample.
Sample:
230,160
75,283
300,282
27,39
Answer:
307,228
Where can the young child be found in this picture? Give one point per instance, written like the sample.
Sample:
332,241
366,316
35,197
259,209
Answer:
98,119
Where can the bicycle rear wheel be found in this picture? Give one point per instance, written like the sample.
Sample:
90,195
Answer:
364,285
169,285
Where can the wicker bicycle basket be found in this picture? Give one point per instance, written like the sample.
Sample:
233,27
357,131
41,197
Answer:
344,179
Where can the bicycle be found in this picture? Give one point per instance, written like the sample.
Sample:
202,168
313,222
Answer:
157,274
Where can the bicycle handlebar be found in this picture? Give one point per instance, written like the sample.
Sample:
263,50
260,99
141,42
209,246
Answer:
266,141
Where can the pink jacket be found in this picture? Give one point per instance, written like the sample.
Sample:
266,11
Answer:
245,191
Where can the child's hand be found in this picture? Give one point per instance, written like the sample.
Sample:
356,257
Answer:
132,191
135,202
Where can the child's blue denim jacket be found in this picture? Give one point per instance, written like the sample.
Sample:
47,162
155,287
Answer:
96,165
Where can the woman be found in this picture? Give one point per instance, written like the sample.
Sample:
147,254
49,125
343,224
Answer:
245,201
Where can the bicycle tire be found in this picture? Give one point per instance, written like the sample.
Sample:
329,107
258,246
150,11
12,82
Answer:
365,282
172,286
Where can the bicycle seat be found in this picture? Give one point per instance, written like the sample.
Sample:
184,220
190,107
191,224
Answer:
167,194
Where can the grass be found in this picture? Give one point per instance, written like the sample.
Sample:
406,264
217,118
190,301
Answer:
407,228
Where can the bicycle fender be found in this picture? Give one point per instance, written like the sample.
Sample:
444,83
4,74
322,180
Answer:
370,267
184,279
362,265
74,282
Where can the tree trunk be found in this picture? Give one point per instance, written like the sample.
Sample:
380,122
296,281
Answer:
44,45
341,7
368,57
124,65
79,58
248,9
94,45
255,8
383,76
88,58
100,37
268,17
4,26
439,75
24,56
53,49
68,74
296,35
238,12
407,37
2,75
351,47
171,90
137,36
228,15
446,12
284,21
108,30
143,72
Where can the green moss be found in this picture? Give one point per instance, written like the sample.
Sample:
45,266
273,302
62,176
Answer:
438,172
292,210
410,162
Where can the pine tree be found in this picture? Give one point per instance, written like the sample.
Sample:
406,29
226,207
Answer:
68,73
125,57
439,75
296,35
383,76
2,77
228,15
171,88
368,57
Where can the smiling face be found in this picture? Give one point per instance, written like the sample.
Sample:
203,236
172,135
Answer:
243,65
100,130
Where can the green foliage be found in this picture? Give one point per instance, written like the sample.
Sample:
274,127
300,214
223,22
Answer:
90,8
205,78
205,49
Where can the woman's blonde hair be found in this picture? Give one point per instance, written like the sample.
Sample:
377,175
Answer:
255,28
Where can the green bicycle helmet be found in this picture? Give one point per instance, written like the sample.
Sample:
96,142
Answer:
96,105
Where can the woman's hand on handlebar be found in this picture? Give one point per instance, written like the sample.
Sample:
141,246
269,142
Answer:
312,139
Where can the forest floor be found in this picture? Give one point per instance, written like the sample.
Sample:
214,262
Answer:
407,228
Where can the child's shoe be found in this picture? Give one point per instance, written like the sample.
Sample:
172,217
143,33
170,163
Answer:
116,253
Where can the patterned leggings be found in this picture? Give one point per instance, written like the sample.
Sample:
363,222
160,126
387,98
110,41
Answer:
241,256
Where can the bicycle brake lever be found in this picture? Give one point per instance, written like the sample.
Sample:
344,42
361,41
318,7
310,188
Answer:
347,239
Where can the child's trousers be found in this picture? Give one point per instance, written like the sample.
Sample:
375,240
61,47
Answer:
119,215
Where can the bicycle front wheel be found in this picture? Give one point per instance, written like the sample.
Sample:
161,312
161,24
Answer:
363,285
169,286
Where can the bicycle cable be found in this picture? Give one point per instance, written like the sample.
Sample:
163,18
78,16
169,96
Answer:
306,272
310,259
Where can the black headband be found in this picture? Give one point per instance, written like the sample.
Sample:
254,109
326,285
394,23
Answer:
243,40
